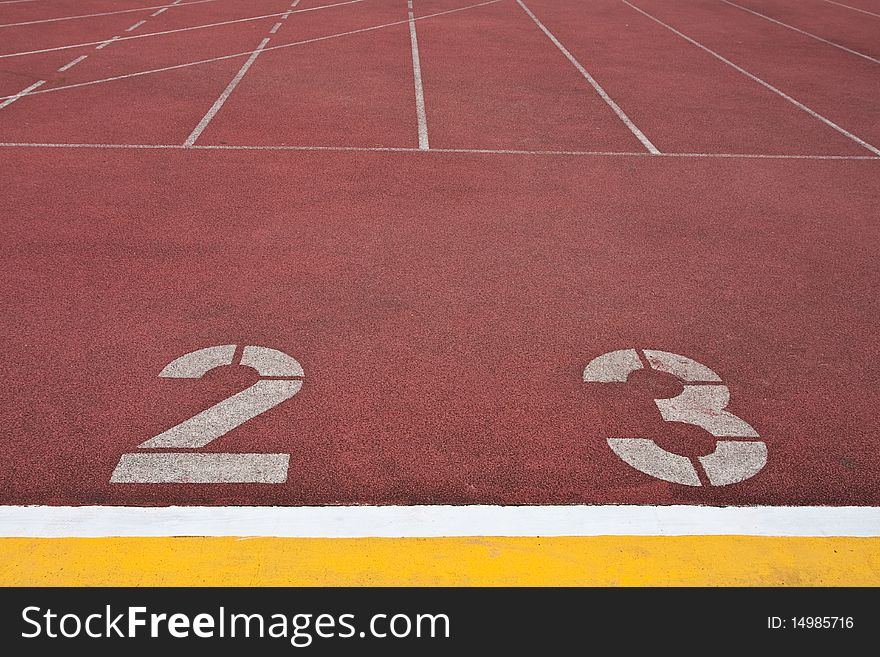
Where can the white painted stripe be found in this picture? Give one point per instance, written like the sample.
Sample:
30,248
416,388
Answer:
106,13
71,64
225,95
201,468
763,83
466,151
417,77
435,521
863,11
24,92
795,29
136,25
275,28
146,35
106,43
250,52
160,11
589,78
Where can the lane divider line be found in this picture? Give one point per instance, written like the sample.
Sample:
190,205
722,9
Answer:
593,83
805,33
763,83
863,11
106,13
421,116
436,521
135,26
474,151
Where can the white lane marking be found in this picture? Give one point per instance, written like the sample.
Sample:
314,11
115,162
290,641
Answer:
106,13
466,151
211,468
417,78
863,11
766,85
275,28
72,63
197,131
103,44
160,11
250,52
24,92
596,86
795,29
136,25
436,521
174,31
702,402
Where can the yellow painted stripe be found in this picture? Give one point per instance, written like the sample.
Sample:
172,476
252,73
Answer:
581,561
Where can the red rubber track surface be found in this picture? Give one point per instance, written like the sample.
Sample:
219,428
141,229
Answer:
443,304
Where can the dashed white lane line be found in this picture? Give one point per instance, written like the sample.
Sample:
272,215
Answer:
250,52
421,116
805,33
863,11
763,83
72,63
435,521
596,86
225,95
429,153
135,26
158,12
275,28
106,13
106,43
24,92
102,44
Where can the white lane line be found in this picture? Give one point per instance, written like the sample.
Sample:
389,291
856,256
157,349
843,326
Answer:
158,12
225,95
795,29
589,78
136,25
436,521
72,63
174,31
106,43
863,11
275,28
250,52
24,92
417,77
468,151
106,13
766,85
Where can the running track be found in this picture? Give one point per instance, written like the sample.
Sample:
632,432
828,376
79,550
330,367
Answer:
443,212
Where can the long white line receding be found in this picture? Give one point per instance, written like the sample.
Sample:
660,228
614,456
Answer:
435,521
863,11
225,95
763,83
805,33
589,78
105,13
417,77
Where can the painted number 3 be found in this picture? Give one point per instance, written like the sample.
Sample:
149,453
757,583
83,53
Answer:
280,379
737,456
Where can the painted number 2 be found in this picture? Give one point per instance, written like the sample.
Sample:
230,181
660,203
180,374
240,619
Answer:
281,378
737,456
